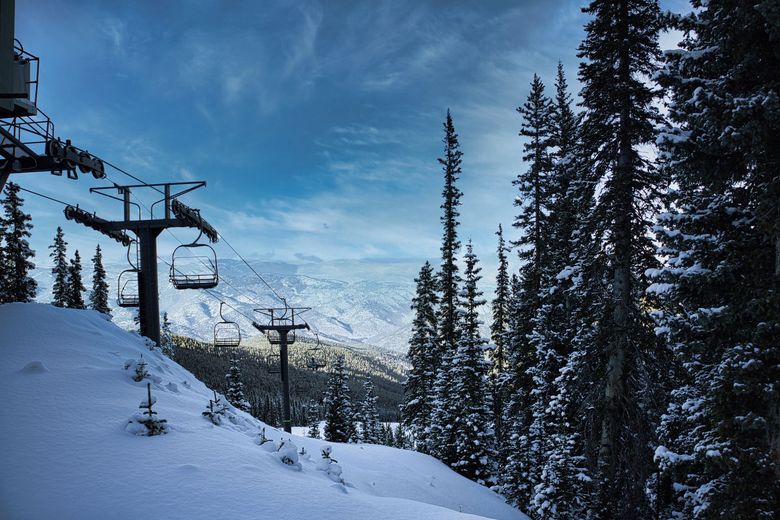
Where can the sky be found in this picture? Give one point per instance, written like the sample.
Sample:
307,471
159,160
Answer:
316,125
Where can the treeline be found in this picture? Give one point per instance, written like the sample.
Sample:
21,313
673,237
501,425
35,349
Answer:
16,284
262,389
634,356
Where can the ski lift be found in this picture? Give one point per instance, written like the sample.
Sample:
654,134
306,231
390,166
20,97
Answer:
274,363
226,333
315,361
200,262
127,283
274,336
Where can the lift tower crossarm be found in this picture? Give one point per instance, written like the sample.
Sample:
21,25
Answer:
98,224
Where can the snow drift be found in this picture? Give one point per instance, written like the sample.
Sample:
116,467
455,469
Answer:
67,452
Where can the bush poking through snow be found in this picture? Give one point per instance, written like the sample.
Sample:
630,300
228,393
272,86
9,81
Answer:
140,369
216,410
145,423
287,453
262,440
330,465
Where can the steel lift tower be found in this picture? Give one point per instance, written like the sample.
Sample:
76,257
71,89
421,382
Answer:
174,214
281,331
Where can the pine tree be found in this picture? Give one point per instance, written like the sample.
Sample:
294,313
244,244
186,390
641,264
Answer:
60,269
498,333
313,415
620,51
18,286
368,415
167,344
418,386
523,454
564,485
719,449
474,436
441,440
339,426
74,294
98,298
235,390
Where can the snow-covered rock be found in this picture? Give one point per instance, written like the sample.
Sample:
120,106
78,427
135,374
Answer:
67,455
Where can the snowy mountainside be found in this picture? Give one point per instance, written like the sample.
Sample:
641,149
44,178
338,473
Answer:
68,454
358,303
364,303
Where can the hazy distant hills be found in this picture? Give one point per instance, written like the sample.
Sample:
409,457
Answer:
353,302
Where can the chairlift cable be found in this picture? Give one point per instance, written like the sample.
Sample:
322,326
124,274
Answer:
44,196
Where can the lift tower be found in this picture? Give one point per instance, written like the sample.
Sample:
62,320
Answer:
281,331
175,214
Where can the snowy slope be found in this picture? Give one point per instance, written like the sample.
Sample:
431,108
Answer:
66,454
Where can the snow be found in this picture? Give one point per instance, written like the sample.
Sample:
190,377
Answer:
67,455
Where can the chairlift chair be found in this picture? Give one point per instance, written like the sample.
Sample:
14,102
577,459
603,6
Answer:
315,362
127,283
226,333
274,363
127,288
275,337
205,279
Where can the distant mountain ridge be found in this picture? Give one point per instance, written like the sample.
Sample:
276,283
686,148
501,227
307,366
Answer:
352,302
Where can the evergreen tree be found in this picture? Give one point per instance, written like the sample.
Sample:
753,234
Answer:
620,51
98,298
441,440
719,449
18,286
339,426
448,274
235,391
523,455
167,343
74,294
368,415
474,439
313,415
563,489
418,387
498,333
60,269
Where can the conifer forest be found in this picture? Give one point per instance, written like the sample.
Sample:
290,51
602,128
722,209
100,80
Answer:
615,355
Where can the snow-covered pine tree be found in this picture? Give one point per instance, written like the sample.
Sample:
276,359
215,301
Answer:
418,387
620,52
719,451
473,427
564,488
339,426
18,286
313,416
498,333
235,387
145,423
98,298
167,344
441,440
74,295
60,269
534,200
561,490
368,415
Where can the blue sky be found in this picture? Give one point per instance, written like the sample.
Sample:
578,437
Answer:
316,124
